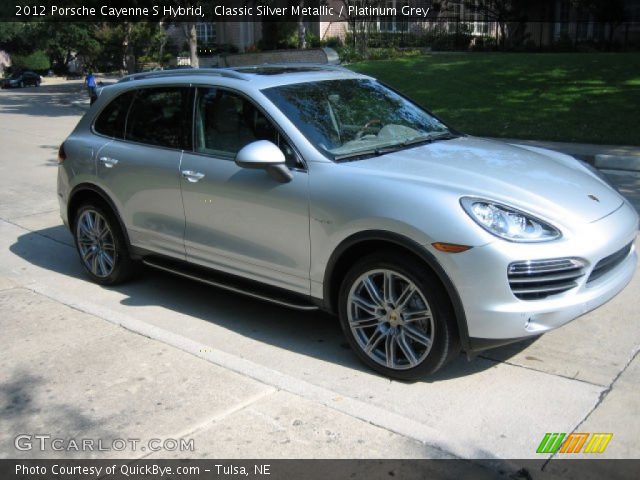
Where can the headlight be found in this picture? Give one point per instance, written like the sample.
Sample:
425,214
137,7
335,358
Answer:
508,223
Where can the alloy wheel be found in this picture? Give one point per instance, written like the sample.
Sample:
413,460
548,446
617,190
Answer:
95,243
390,319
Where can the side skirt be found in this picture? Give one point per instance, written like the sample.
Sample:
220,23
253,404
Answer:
232,283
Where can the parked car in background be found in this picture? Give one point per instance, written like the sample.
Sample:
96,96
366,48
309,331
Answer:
316,187
26,78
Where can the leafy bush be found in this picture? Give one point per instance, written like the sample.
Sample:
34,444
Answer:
332,42
563,44
484,44
313,41
350,54
385,53
38,61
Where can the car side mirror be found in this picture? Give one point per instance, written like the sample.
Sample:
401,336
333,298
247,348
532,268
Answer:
262,154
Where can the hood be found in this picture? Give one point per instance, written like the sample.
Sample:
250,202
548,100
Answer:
544,183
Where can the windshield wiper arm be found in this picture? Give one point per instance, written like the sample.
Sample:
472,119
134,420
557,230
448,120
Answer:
382,150
445,136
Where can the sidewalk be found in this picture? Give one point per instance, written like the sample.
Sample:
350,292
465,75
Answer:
104,382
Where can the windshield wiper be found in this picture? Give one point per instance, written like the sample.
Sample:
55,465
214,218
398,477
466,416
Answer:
384,149
445,136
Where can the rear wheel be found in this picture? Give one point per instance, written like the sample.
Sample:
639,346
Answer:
397,316
101,245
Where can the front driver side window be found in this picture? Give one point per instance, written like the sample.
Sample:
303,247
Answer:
226,122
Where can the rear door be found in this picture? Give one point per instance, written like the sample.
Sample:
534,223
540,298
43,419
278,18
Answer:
140,167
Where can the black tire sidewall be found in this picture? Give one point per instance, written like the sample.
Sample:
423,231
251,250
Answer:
122,268
445,340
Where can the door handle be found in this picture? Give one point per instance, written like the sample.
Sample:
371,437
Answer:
192,176
109,162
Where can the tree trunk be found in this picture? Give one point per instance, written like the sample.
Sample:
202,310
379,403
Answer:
612,31
189,30
163,44
503,34
302,30
129,60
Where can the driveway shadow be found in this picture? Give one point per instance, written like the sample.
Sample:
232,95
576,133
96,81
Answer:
45,100
315,334
29,407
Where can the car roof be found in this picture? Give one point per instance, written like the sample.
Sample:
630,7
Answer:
257,76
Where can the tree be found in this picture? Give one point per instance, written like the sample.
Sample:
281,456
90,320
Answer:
611,12
37,60
190,32
191,35
361,25
510,15
63,45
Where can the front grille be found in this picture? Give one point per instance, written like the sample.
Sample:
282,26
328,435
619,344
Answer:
607,264
537,279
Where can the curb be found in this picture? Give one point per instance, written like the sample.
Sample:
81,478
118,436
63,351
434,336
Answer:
614,162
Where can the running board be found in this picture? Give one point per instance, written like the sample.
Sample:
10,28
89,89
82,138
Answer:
232,283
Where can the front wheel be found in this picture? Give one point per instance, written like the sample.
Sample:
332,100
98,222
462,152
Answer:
397,317
101,245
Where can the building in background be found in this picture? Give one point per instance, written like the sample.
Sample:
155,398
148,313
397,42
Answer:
543,24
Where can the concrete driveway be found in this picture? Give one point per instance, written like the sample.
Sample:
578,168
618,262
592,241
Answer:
248,379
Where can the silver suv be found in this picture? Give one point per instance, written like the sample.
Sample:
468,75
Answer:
316,187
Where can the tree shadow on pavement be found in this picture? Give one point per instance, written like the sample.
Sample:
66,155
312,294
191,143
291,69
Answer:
315,334
45,100
28,407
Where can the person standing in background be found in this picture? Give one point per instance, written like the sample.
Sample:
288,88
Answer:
90,82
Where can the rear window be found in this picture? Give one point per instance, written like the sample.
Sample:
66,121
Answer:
161,116
111,121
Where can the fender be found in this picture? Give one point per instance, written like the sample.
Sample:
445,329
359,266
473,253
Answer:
416,249
84,187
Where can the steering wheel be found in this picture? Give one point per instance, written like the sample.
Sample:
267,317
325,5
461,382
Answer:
367,126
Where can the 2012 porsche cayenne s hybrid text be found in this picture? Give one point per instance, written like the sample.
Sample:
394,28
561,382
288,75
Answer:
316,187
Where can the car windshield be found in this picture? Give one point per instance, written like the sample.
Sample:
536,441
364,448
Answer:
353,118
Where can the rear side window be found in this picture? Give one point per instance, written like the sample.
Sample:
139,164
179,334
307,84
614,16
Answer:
111,120
161,116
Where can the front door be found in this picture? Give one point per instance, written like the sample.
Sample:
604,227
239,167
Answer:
238,220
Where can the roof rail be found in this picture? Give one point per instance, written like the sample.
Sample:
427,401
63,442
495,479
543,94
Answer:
221,72
293,66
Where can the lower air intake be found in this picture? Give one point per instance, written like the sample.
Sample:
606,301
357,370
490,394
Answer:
538,279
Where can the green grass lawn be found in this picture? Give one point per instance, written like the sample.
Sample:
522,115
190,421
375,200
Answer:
590,98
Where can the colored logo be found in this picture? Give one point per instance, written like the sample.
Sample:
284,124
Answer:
574,443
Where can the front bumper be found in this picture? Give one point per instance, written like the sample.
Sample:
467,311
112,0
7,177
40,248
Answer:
495,316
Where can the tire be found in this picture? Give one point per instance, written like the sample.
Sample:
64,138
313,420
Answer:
414,325
112,263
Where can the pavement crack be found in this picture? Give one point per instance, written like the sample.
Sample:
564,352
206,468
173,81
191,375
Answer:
238,407
36,232
31,215
505,362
